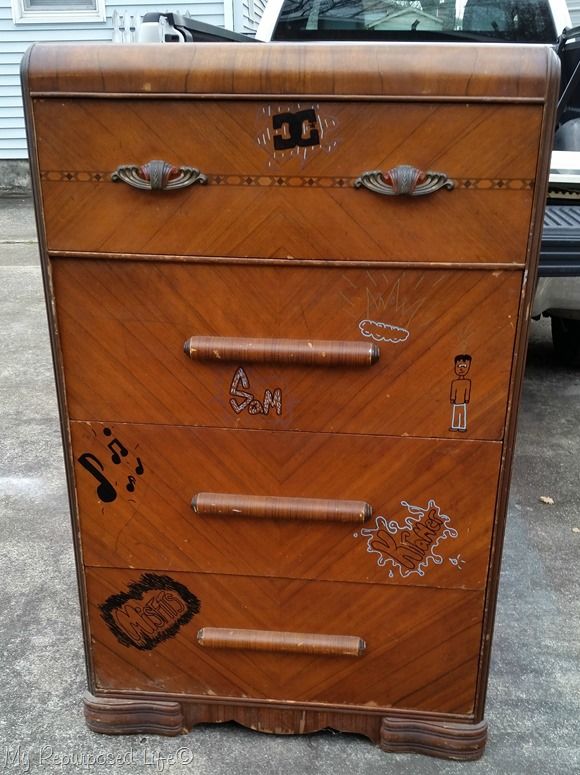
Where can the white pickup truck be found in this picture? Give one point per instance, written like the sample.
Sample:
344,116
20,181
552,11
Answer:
493,21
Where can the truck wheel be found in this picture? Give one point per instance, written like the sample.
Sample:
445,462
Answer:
566,340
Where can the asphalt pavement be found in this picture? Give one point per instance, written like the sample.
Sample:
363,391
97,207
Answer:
533,706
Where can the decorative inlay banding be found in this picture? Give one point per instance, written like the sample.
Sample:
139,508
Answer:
290,181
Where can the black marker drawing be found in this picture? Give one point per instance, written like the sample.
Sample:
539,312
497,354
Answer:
295,130
105,491
292,130
239,389
460,393
151,611
114,445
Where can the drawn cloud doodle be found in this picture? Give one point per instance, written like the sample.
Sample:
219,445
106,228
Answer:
383,332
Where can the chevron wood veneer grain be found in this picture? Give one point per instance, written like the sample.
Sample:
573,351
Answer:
288,220
301,529
123,324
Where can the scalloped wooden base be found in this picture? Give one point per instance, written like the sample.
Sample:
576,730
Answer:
111,716
447,740
463,742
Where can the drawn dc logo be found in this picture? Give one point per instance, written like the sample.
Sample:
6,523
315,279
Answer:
287,131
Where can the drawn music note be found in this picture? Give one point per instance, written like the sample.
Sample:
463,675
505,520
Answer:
115,456
131,483
122,451
105,491
139,470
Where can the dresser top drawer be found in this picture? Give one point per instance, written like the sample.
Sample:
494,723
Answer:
291,180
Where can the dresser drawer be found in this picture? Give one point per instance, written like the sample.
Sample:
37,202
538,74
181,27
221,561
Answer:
123,326
393,511
418,647
281,175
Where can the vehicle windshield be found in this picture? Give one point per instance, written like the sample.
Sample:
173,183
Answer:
521,21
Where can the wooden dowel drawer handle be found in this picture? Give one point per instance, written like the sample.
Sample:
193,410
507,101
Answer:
270,640
403,180
157,175
288,351
213,504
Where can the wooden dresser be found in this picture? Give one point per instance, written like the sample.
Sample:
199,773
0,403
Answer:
288,288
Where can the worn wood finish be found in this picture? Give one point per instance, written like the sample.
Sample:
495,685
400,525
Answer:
287,642
132,717
154,526
449,740
210,504
390,71
446,740
438,631
290,205
123,324
304,352
281,245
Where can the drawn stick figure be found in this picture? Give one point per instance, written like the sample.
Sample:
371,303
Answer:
460,393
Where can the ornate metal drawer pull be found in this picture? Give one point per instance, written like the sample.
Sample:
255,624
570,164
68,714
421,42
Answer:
158,175
404,180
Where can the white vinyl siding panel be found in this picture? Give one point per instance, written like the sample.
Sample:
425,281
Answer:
13,102
10,123
252,13
574,8
14,154
15,39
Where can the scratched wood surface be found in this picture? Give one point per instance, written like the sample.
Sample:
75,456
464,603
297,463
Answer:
422,70
280,641
296,203
123,326
422,644
146,519
413,445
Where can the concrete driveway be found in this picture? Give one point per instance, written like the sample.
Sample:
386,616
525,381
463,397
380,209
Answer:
533,705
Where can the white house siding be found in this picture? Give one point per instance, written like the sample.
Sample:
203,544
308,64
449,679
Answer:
15,39
252,11
574,8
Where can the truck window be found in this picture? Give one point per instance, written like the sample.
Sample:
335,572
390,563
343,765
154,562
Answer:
522,21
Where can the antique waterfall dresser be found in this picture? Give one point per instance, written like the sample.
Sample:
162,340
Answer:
288,289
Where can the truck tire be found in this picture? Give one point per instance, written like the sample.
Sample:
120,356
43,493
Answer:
566,340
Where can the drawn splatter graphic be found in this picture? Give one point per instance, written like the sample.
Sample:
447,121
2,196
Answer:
410,547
